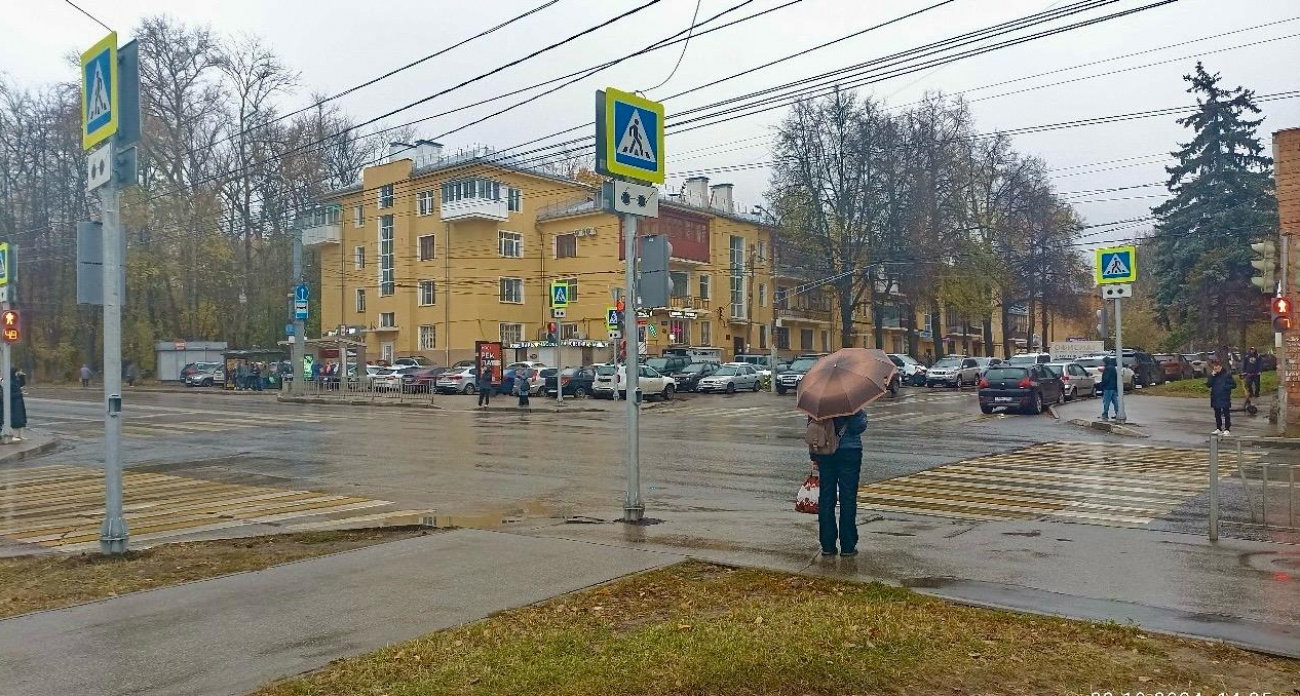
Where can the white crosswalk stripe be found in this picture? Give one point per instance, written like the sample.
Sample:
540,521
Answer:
144,429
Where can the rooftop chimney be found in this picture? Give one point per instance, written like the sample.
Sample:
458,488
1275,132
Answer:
426,152
722,198
696,191
399,150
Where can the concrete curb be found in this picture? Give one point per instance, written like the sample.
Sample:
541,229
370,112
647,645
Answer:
1109,427
23,455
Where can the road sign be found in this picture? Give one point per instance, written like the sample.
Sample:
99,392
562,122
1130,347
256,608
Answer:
99,110
1116,265
99,167
559,294
613,318
299,310
615,334
4,264
1116,291
629,136
288,329
301,293
632,199
10,325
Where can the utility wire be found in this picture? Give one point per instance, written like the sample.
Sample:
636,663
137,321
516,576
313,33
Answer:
681,55
92,17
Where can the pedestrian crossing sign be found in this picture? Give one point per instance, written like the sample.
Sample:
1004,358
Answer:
99,110
1116,265
629,136
559,294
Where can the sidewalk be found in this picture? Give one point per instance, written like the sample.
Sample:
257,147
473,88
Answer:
230,635
34,443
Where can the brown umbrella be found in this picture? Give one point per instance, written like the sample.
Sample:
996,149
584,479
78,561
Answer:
843,382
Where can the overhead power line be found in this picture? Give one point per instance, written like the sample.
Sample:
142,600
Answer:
92,17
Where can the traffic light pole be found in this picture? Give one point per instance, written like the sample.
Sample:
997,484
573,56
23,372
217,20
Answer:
1279,340
633,508
113,534
6,430
1120,415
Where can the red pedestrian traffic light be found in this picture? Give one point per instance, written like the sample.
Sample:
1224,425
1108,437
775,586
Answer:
619,306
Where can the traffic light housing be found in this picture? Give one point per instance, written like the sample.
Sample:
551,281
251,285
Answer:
10,326
1281,309
552,335
1265,262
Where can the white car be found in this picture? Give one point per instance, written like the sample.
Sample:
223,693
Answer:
1094,365
731,378
460,381
761,363
611,382
953,371
912,371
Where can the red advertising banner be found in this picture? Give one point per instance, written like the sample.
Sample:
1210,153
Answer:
488,355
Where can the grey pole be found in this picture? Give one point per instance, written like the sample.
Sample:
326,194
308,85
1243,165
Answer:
1279,340
559,371
776,324
299,347
113,533
1120,416
6,430
1214,487
633,508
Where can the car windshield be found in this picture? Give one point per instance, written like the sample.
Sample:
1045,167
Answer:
606,370
1091,362
803,364
1006,373
694,368
1023,359
905,359
659,364
726,372
983,362
948,362
1054,369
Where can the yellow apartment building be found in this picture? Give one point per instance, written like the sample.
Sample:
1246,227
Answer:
431,253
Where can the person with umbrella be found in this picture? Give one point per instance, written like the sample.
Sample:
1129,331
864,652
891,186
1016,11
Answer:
833,394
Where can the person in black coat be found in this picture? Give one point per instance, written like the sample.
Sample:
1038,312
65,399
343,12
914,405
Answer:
1221,386
16,408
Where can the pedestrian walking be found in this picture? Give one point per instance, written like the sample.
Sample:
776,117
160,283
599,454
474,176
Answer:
1221,386
16,409
1250,372
484,388
522,386
839,472
85,376
1109,388
255,376
315,372
132,374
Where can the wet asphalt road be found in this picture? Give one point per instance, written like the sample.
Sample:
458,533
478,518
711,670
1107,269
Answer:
739,452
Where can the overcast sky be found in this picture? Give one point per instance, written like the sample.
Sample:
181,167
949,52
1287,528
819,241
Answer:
338,44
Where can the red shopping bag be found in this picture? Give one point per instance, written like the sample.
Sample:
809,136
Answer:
806,500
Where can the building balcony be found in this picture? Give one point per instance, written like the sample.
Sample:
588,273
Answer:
805,314
475,208
320,226
687,302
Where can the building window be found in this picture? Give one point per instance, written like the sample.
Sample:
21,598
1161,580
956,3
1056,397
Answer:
512,333
706,287
387,282
762,252
510,244
424,202
573,288
569,332
737,258
428,247
387,320
762,336
428,337
762,294
515,201
783,338
358,257
358,216
512,290
566,245
706,333
805,339
679,331
826,341
361,301
386,196
428,293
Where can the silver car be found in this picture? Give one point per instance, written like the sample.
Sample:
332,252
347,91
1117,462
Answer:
1076,380
731,378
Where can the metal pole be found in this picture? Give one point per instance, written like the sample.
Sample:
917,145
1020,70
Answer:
1214,486
299,346
6,430
446,291
633,508
1280,339
559,374
113,533
1120,415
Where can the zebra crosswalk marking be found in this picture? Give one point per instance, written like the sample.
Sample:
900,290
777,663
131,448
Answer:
1075,482
61,506
148,431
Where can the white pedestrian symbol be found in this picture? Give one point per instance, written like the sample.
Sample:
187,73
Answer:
634,142
561,294
98,104
1116,267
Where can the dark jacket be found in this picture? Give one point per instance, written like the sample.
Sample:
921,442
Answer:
1110,378
17,407
850,429
1250,365
1221,388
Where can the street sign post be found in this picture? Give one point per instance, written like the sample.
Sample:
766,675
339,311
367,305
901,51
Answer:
99,107
1116,270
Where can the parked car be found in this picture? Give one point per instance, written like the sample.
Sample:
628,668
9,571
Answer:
1175,366
1029,388
537,364
1075,378
696,354
790,379
986,363
668,364
912,371
463,363
953,371
206,375
731,378
421,380
611,382
383,378
535,381
577,381
1094,365
1149,373
1030,359
688,378
761,363
462,380
413,361
1200,364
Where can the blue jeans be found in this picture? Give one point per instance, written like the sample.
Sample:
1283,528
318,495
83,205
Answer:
839,474
1109,397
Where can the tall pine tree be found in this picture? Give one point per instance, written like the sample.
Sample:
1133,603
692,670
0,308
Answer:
1223,199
